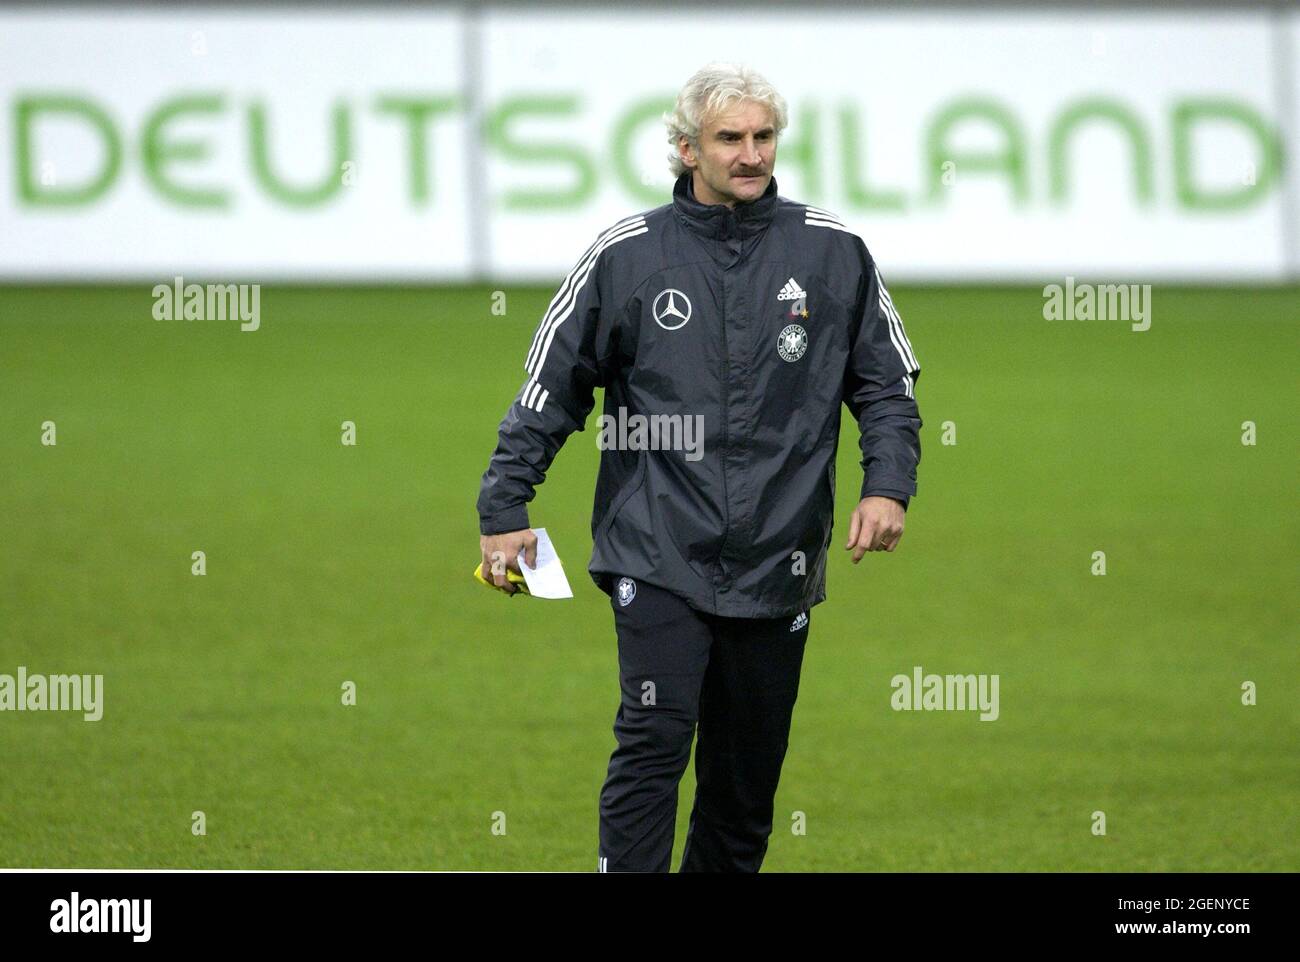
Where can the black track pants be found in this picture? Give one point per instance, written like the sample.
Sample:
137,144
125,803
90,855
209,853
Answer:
738,679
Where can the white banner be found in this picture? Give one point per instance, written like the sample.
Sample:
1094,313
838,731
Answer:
329,145
245,145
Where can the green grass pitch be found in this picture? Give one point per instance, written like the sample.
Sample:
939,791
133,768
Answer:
326,563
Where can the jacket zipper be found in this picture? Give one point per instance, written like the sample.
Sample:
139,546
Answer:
726,422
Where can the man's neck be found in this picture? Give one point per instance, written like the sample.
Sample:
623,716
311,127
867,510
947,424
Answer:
708,196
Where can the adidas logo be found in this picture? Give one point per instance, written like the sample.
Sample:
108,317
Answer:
791,291
800,621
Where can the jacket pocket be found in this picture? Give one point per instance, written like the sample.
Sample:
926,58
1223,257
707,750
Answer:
630,488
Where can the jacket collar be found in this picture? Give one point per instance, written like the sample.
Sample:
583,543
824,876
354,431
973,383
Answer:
718,220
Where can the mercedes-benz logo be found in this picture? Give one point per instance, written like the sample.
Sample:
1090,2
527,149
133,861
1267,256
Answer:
678,311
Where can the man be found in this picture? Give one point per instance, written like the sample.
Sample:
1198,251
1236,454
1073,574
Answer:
754,317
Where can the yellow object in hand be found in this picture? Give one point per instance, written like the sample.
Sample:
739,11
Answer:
514,577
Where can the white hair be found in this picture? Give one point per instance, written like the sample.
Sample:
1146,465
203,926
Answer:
714,88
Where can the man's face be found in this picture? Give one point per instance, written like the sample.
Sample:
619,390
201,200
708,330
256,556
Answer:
736,156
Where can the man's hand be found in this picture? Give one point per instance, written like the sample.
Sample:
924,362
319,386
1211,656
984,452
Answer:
876,525
501,552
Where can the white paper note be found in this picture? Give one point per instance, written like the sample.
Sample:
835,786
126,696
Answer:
547,580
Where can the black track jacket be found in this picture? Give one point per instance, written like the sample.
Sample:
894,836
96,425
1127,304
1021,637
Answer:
726,341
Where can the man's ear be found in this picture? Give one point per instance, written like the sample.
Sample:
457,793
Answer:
686,153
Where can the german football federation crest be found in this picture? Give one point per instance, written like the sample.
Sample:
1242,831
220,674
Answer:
626,591
792,342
